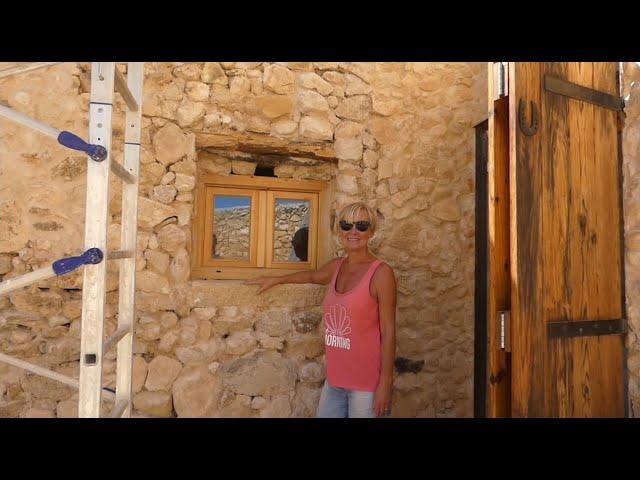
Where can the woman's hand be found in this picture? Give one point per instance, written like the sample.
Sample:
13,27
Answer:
382,399
265,283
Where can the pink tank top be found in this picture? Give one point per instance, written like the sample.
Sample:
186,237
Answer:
352,335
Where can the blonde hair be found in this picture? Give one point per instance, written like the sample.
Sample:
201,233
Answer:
350,211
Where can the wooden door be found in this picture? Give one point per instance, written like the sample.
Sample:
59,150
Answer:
555,241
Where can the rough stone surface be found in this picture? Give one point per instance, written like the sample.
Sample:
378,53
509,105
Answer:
354,108
153,404
270,343
305,402
274,106
313,81
284,127
170,144
631,174
184,183
262,374
196,392
235,406
189,113
309,102
171,238
5,264
204,351
275,322
306,321
197,91
148,281
212,72
312,373
243,168
157,261
348,148
278,79
180,268
315,128
279,407
162,371
152,213
164,193
139,375
240,343
67,409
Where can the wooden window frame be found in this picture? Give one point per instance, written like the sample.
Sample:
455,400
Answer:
263,191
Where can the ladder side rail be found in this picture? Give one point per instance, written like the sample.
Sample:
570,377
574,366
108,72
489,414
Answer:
96,223
129,229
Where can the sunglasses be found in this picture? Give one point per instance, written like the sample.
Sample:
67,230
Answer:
362,225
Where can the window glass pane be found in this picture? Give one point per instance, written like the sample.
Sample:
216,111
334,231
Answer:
291,230
231,226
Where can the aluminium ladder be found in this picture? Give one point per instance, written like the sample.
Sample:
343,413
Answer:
104,77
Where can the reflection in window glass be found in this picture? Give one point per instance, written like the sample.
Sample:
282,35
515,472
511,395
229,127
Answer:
291,230
231,227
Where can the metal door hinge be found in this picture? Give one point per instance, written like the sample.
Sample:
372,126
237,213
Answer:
504,320
563,87
617,326
500,80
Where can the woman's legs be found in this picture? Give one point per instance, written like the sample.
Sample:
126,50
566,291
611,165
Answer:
360,404
338,402
333,402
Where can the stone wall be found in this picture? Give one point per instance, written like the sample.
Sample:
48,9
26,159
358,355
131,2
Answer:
403,137
631,173
425,113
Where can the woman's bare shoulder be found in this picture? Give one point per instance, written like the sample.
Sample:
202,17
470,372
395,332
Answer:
384,271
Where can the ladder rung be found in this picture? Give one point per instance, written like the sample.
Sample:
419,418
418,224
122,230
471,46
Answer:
119,255
121,173
7,72
59,267
27,121
123,89
71,382
67,139
15,283
119,409
116,337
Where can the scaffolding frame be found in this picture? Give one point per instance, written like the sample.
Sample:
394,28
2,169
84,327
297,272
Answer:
105,77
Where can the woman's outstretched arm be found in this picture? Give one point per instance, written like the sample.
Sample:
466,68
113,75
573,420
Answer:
320,276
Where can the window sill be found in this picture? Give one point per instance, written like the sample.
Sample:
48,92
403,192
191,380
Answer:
239,273
219,293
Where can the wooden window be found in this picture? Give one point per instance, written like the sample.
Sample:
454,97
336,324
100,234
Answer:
250,226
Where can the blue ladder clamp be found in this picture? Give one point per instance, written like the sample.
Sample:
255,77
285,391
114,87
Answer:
70,140
69,264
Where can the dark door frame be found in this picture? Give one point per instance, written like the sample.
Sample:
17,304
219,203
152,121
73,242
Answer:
481,266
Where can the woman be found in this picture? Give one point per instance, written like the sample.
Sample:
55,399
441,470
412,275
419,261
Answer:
359,315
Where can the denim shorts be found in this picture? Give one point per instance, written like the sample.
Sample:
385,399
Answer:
336,402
